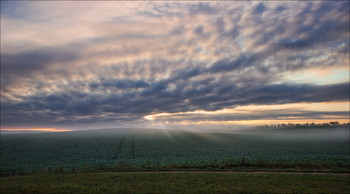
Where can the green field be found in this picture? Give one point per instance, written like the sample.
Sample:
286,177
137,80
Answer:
152,148
175,183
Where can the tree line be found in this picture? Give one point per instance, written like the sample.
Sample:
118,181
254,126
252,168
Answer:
306,125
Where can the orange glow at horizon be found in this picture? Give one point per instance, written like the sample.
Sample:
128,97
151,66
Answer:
38,129
253,109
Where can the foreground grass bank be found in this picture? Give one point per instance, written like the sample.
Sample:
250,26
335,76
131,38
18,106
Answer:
181,182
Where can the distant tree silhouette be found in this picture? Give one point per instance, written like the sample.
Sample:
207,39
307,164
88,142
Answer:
306,125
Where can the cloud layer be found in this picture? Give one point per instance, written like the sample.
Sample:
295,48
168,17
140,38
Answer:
113,63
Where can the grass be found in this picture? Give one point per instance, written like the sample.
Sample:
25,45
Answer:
241,166
183,182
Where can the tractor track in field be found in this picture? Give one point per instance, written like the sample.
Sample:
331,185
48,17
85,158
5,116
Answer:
119,149
132,147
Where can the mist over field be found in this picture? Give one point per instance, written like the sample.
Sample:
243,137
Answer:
163,148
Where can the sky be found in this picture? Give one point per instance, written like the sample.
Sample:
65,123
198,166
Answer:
107,64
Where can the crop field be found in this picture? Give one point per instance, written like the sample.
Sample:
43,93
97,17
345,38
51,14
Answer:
153,147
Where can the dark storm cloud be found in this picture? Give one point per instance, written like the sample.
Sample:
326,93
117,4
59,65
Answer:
31,61
260,8
120,84
155,98
280,8
321,30
230,96
30,64
221,66
290,93
243,61
316,35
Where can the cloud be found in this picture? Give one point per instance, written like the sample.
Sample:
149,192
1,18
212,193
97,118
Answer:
134,105
260,8
22,63
121,61
282,114
202,8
